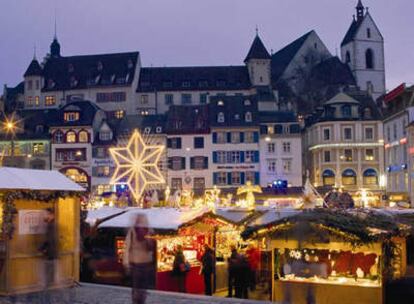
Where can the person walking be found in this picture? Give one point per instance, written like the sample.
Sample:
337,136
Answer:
139,258
241,280
253,256
208,264
180,269
232,265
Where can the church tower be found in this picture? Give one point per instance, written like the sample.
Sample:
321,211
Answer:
363,50
258,63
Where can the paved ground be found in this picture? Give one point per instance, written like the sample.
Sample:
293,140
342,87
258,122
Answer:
100,294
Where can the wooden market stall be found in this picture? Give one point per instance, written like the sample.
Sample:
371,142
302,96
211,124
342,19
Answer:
332,256
190,228
24,197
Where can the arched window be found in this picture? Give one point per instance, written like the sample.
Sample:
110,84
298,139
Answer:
369,59
348,57
70,137
83,136
220,117
370,177
58,137
248,117
348,177
328,177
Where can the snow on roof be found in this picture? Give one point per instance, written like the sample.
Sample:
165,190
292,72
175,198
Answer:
29,179
102,213
234,215
158,218
274,215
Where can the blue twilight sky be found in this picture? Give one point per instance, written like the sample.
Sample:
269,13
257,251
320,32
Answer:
192,32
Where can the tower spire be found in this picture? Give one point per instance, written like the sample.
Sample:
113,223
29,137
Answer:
34,52
257,30
360,10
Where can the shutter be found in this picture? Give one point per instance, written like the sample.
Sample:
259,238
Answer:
229,178
256,157
263,129
229,137
191,162
214,157
256,137
242,178
215,178
242,137
182,163
169,143
241,156
179,144
169,163
205,162
214,137
257,178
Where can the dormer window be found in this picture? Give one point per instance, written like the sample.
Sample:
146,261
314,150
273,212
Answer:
220,103
130,64
39,129
368,33
220,117
367,113
158,130
248,117
203,83
100,66
50,84
71,116
105,135
83,137
70,137
236,116
247,102
346,111
167,84
186,84
73,82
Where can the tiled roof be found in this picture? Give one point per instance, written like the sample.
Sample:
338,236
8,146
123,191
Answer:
333,71
206,78
234,109
87,111
80,72
279,116
350,34
131,122
282,58
188,120
34,69
257,50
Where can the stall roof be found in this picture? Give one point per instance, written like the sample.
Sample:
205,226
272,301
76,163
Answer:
273,215
236,216
29,179
158,218
102,213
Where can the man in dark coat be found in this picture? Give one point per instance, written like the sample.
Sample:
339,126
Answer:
232,265
208,263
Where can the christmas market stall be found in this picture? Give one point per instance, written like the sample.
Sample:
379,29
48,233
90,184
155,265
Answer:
332,255
190,228
25,195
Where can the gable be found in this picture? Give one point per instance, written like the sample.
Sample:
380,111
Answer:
368,23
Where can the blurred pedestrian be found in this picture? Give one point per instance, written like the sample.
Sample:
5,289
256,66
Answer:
232,265
49,251
208,264
139,258
253,256
241,280
180,269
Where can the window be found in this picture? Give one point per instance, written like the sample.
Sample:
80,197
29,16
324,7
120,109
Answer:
144,99
58,137
50,100
234,157
70,155
220,117
271,165
270,130
203,83
346,111
287,166
251,176
221,178
249,156
367,113
169,99
235,178
328,178
199,163
105,135
37,101
368,33
271,147
327,156
198,142
370,177
348,133
83,136
186,84
102,171
249,137
348,177
70,137
369,155
286,147
221,137
167,84
177,163
37,84
111,97
347,155
71,116
348,57
369,59
174,143
203,98
185,99
38,148
221,157
176,183
369,133
30,101
199,183
248,117
326,134
235,137
119,114
29,84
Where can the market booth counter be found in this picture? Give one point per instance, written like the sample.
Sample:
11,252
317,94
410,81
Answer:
24,197
333,256
172,227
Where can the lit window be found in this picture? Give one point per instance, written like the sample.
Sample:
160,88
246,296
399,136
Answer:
70,137
38,148
370,177
328,177
83,136
71,116
37,100
369,155
29,100
50,100
119,114
248,117
349,177
220,117
347,155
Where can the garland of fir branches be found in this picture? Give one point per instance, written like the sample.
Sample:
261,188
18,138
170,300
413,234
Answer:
9,206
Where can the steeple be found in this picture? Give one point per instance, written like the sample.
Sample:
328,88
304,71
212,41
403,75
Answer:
55,46
360,10
257,50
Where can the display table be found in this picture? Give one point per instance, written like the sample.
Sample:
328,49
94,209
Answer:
194,281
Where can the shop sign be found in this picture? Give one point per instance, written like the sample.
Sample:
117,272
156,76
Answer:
32,221
103,162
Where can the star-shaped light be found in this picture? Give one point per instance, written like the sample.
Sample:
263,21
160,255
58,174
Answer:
137,165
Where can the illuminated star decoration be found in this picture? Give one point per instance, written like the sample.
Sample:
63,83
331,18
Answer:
137,165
